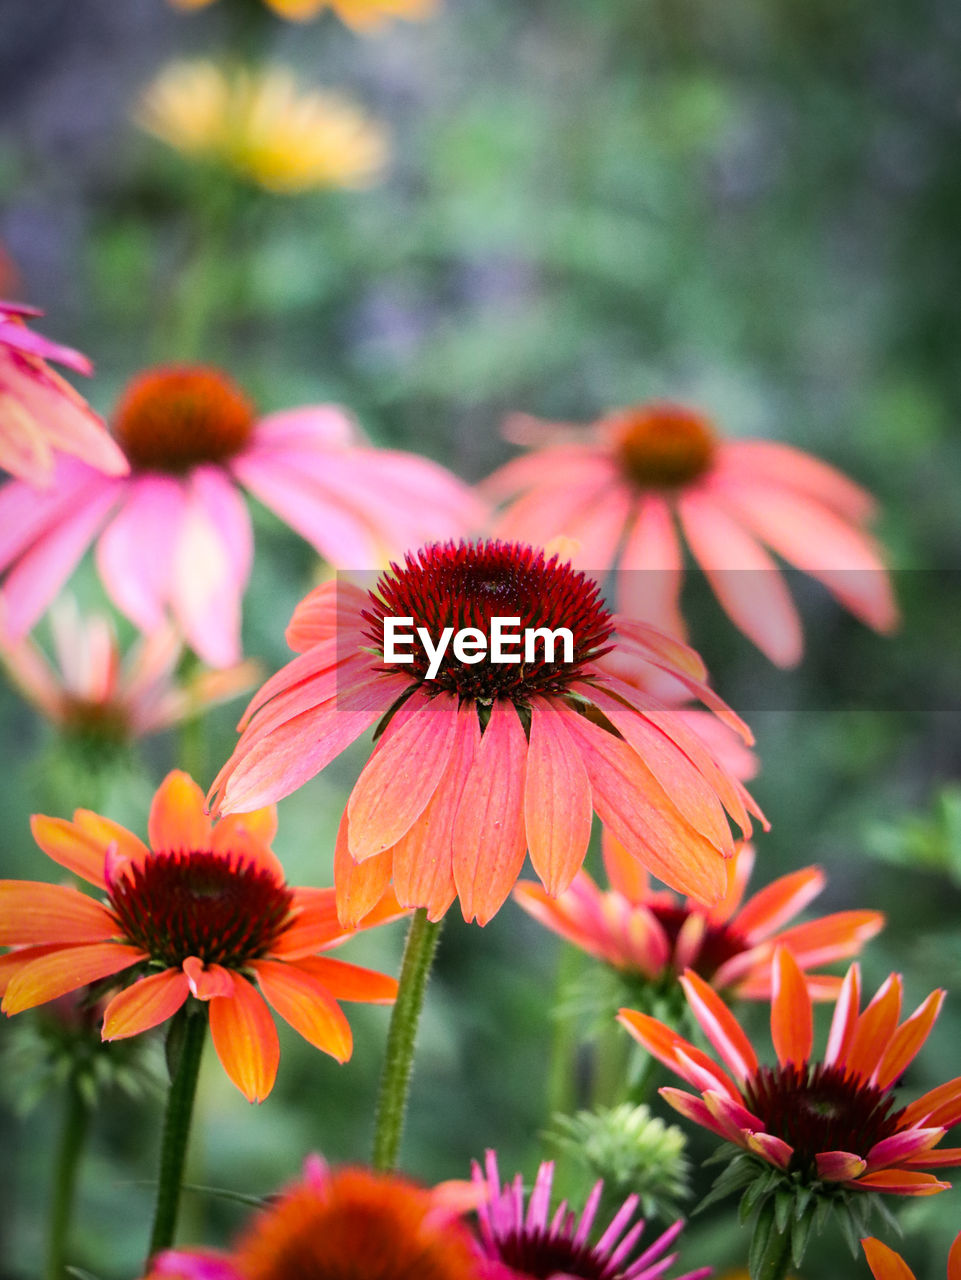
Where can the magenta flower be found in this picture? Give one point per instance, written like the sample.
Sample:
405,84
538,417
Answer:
523,1245
174,535
41,415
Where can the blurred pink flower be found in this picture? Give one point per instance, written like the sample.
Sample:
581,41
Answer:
175,533
91,688
41,415
622,486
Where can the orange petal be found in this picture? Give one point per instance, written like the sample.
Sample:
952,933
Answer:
314,924
65,970
14,961
237,834
903,1182
907,1040
359,885
779,902
739,870
109,834
625,874
845,1017
557,800
675,1052
350,981
245,1039
720,1026
207,981
71,848
941,1105
834,937
31,912
885,1264
177,818
488,835
792,1024
397,782
875,1028
146,1004
954,1259
303,1001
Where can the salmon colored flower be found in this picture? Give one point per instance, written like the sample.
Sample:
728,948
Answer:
175,534
626,486
362,15
204,911
486,759
264,127
41,415
343,1225
536,1244
652,935
92,691
885,1264
832,1122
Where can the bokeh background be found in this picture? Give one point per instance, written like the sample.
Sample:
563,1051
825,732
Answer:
752,206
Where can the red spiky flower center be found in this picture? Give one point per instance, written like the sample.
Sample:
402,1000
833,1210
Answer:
543,1252
467,585
818,1108
177,417
357,1227
218,906
719,942
662,446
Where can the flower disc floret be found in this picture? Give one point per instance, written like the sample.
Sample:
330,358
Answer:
662,445
464,585
173,418
217,906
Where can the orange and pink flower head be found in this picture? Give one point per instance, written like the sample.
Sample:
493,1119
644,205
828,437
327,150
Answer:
481,761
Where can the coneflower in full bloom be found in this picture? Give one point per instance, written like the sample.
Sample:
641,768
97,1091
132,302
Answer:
344,1224
828,1123
536,1244
204,912
623,486
486,759
885,1264
175,534
652,935
41,415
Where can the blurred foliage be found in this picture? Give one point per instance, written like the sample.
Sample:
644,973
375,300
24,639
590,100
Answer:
754,206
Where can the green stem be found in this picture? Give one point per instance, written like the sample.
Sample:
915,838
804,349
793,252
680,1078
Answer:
176,1129
770,1254
399,1057
75,1120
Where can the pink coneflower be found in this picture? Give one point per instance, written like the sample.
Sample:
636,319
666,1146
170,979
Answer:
626,486
175,534
828,1123
485,759
93,691
41,415
532,1244
654,935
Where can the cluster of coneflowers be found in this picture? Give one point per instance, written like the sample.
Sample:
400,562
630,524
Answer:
475,768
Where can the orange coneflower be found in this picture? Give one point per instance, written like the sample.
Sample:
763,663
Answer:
622,486
340,1225
885,1264
204,911
484,759
831,1123
652,935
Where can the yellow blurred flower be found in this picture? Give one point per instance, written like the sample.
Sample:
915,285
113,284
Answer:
265,128
362,15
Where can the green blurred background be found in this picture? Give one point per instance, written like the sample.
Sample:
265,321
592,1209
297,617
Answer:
754,206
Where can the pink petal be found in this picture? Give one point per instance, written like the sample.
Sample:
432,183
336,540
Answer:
134,554
557,800
652,568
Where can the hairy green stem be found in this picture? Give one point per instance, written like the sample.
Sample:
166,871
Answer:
192,1027
770,1253
76,1117
399,1056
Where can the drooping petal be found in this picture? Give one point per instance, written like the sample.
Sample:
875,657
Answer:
792,1024
652,567
177,819
64,970
557,800
770,464
245,1039
146,1004
360,885
488,840
133,553
400,777
31,913
302,1000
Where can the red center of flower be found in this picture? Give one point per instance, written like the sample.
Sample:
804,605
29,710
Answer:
217,906
469,584
359,1227
177,417
540,1253
819,1108
663,446
718,945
